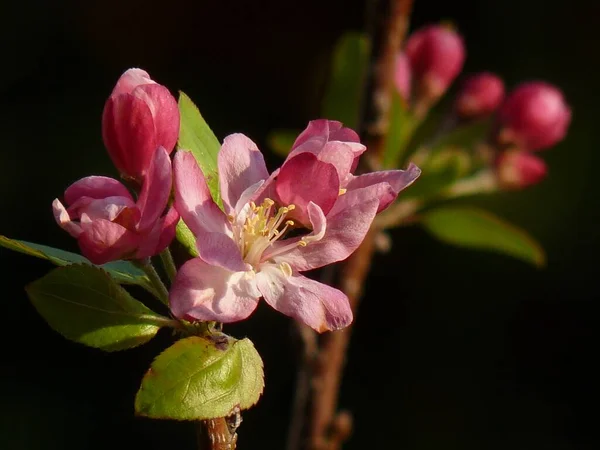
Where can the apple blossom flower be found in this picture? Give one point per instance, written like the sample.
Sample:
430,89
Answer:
139,116
480,95
535,116
244,253
110,225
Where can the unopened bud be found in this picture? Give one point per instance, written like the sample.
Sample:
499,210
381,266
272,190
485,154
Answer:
480,95
403,76
518,169
436,54
535,116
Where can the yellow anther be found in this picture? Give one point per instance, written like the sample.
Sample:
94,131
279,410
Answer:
302,243
268,202
286,269
343,191
289,223
291,207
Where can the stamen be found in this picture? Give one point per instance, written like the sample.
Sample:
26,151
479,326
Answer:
286,269
343,191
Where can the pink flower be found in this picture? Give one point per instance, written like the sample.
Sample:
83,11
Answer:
403,76
535,116
244,253
480,95
436,56
139,116
518,169
109,224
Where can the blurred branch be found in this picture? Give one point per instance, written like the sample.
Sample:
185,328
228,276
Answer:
388,25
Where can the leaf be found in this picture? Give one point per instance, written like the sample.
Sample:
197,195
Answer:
343,96
402,126
201,378
195,135
85,305
186,237
465,136
281,141
123,271
478,229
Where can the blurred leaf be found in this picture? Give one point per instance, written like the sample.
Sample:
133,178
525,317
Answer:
439,171
464,136
343,96
281,141
201,378
478,229
85,305
195,135
186,237
122,271
402,126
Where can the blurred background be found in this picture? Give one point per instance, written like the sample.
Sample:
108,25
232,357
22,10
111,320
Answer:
452,349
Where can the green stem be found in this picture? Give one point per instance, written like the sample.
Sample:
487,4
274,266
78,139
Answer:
168,264
161,321
146,265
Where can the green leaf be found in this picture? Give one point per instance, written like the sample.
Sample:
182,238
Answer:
477,229
201,378
195,135
402,126
281,141
122,271
186,237
85,305
343,96
465,136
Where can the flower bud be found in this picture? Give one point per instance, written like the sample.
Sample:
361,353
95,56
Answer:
534,116
403,76
436,56
139,117
479,96
518,169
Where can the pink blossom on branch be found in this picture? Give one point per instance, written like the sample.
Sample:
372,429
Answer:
139,116
535,116
110,225
244,253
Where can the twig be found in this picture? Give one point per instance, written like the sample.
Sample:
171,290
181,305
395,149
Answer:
389,25
168,264
146,265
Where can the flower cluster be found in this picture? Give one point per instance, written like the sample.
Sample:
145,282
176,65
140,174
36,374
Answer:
311,212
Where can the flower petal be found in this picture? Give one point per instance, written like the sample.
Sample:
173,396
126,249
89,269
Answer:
104,241
303,179
160,236
241,165
332,130
319,306
63,219
396,179
165,113
205,292
219,249
131,79
155,190
192,197
95,187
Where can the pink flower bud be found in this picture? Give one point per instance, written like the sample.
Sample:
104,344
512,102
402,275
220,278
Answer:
403,76
480,95
518,169
139,116
436,56
534,116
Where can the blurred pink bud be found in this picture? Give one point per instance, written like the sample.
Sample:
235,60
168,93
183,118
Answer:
139,116
436,56
534,116
518,169
480,95
403,76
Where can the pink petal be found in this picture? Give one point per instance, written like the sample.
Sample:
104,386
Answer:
218,249
107,208
159,237
303,179
396,179
155,190
241,165
332,130
205,292
319,306
165,113
104,241
192,197
131,79
95,187
347,224
64,220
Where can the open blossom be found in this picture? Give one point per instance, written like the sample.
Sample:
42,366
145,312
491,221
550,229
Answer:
244,253
110,225
139,116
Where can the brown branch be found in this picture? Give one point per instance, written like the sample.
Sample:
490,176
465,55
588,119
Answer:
389,25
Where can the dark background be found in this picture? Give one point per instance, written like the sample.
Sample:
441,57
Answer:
452,349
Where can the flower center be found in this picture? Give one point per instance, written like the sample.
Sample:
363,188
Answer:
260,228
